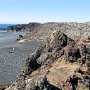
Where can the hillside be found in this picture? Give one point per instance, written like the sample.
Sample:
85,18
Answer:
62,62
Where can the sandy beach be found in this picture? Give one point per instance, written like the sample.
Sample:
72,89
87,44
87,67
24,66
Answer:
13,55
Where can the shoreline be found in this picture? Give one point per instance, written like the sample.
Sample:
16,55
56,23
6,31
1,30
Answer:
13,55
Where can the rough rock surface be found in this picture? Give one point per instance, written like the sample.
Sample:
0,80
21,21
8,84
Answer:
23,27
31,62
71,53
73,30
60,64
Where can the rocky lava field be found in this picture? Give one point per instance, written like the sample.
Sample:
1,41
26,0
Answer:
61,62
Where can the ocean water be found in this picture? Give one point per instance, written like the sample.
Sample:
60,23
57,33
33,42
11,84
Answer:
6,25
3,32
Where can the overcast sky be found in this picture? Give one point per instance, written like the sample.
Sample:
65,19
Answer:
25,11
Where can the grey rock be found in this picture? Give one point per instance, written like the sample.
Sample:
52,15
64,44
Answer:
60,40
23,27
31,62
71,53
41,84
43,58
20,82
85,54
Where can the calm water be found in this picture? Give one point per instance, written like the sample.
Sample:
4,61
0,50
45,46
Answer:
6,25
3,32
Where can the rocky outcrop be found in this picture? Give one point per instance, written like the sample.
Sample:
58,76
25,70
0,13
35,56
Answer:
80,80
85,54
58,40
73,30
40,84
47,64
71,53
23,27
31,62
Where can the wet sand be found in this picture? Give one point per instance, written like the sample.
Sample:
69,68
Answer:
13,55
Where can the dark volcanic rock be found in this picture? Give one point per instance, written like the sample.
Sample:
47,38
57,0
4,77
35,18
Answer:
58,45
73,80
85,54
71,53
56,42
31,62
44,57
59,40
24,27
70,42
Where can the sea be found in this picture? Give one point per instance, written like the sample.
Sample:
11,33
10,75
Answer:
6,25
3,32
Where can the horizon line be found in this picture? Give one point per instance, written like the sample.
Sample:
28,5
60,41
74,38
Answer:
49,22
